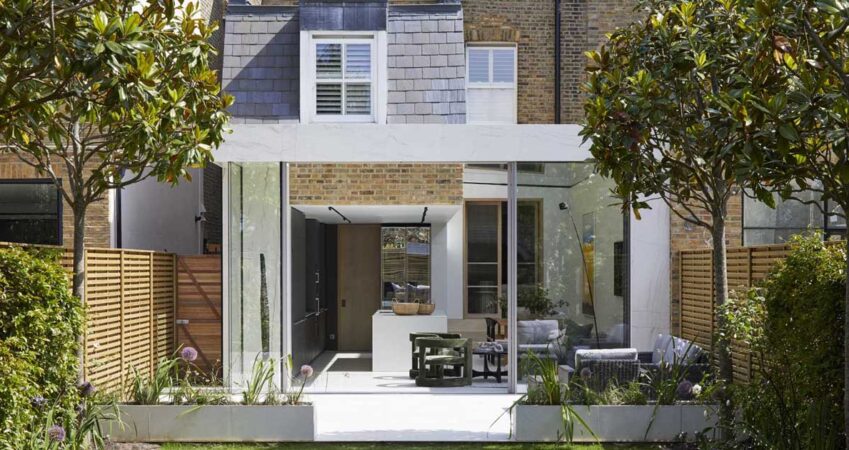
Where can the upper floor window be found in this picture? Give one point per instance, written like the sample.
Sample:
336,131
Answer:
491,85
30,212
344,79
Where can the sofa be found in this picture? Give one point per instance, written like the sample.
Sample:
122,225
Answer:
541,337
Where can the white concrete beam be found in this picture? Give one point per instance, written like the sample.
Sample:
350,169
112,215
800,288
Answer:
372,143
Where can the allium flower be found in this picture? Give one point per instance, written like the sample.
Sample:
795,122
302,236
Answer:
56,433
586,372
86,389
189,354
306,371
697,390
38,402
684,391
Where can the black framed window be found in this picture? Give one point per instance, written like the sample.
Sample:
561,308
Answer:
30,212
764,225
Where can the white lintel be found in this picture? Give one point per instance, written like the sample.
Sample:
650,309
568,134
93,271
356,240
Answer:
372,143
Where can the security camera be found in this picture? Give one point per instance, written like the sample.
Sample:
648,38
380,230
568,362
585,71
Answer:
563,206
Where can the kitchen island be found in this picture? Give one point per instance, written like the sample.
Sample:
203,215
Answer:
391,346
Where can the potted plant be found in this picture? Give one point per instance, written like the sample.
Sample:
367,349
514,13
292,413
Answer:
167,407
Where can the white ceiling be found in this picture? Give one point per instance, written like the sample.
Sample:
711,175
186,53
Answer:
380,213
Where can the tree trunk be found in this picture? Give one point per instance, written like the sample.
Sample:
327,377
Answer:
846,348
79,278
720,289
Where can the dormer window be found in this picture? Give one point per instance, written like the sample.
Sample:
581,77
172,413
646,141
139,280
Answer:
343,72
343,78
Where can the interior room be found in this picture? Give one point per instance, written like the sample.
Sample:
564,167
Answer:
350,263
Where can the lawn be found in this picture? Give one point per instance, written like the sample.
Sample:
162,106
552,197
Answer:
405,446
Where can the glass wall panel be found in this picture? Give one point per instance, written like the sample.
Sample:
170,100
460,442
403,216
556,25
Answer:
254,267
570,261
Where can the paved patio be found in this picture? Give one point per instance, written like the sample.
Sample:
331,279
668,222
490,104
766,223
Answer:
350,373
412,417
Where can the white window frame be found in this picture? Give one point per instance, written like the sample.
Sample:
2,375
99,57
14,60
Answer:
308,80
493,85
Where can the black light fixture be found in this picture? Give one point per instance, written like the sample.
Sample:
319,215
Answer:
330,208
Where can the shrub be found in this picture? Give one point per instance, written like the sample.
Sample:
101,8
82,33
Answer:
794,324
40,323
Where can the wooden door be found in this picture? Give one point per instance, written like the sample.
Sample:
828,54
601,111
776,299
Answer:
358,280
199,308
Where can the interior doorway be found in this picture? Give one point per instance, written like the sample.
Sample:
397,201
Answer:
358,285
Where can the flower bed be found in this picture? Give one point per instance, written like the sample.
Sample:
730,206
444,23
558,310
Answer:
622,423
214,423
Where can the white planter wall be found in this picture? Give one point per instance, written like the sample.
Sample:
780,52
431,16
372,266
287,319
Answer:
613,423
225,423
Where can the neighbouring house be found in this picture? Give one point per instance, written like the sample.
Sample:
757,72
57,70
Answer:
404,150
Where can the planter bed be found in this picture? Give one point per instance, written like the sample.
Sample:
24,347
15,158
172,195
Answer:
214,423
532,423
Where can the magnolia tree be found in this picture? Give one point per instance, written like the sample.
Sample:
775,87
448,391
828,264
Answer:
669,115
811,130
96,95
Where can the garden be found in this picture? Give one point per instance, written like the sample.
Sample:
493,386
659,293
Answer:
702,101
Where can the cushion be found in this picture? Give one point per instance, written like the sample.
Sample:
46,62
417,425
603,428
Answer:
661,343
536,331
675,350
608,353
577,331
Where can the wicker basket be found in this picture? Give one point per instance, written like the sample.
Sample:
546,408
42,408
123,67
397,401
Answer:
405,309
426,309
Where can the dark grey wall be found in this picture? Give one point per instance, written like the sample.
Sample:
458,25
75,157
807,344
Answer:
261,63
427,64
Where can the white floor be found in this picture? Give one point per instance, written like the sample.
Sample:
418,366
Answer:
355,404
412,417
359,380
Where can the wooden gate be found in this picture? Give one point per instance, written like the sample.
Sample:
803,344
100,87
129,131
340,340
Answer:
199,308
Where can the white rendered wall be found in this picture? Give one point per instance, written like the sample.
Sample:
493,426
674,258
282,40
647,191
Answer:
159,216
439,265
454,266
649,263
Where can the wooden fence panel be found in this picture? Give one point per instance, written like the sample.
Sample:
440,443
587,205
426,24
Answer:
130,297
746,267
199,308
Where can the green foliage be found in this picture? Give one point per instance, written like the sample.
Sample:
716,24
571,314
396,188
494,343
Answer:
262,379
669,110
808,115
148,390
794,324
40,322
83,431
545,388
121,86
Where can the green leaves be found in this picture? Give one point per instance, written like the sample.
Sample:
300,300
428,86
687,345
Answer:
676,110
141,90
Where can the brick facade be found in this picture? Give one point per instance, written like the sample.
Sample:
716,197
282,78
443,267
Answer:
98,223
687,236
530,23
376,184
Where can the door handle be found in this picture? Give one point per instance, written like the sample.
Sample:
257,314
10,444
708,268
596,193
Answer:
344,302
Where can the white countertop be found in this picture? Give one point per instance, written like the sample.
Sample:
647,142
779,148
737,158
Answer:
388,313
391,347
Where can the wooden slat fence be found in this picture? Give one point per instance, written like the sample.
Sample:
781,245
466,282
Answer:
130,303
746,267
199,308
